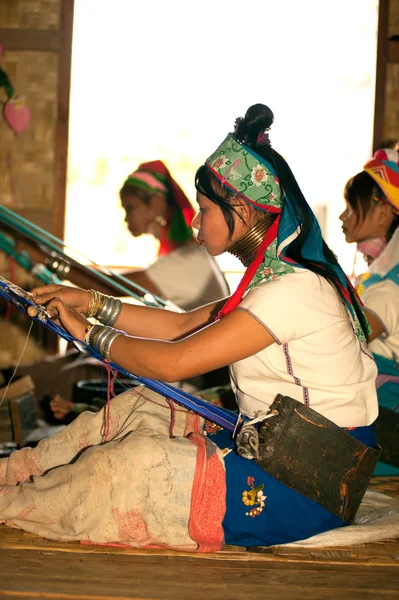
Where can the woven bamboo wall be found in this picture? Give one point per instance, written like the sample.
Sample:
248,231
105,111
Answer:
27,161
30,14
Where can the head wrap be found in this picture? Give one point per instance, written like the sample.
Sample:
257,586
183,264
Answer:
384,169
253,178
155,177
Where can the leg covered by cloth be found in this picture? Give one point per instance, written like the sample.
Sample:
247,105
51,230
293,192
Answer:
155,481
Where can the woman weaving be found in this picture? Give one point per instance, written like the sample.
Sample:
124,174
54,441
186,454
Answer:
294,327
184,274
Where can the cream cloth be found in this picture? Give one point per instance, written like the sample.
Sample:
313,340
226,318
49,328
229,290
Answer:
155,481
377,519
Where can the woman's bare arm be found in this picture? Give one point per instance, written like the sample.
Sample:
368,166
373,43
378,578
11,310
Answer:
161,324
140,321
235,337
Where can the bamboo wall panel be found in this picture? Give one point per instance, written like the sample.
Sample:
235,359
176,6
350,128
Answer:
30,32
27,161
29,14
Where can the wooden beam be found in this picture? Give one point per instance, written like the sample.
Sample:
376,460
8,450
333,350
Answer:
62,129
44,40
381,72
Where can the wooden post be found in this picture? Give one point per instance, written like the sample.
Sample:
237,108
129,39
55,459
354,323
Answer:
62,128
381,72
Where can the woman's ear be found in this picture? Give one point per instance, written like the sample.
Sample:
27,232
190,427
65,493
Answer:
158,202
243,211
386,215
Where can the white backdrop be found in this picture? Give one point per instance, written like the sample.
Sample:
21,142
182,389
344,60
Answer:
166,80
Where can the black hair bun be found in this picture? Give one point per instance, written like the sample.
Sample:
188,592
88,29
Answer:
257,120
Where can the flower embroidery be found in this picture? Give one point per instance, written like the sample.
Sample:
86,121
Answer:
219,163
212,428
259,175
254,497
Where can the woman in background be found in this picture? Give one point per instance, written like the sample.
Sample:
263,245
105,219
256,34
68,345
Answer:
184,273
371,220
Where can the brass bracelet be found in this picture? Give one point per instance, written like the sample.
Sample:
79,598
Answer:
96,303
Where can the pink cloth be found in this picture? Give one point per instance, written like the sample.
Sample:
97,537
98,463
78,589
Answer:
381,379
149,180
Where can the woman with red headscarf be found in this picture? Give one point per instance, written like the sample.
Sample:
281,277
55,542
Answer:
184,273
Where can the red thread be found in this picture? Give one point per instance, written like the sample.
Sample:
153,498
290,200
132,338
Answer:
107,409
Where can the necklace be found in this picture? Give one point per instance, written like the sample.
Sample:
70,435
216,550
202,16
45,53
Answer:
245,248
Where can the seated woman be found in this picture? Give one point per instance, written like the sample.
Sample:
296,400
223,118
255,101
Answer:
184,273
147,472
371,220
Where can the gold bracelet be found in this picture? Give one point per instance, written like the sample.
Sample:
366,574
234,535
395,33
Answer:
89,310
96,303
101,299
93,302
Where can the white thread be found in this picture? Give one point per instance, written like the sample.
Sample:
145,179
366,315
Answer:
17,365
261,417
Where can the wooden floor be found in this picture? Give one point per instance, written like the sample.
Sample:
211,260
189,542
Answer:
32,567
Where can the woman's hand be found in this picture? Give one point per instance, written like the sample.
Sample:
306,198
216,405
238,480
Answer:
74,297
65,316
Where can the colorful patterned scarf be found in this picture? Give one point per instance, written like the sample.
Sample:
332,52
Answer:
155,177
384,169
252,177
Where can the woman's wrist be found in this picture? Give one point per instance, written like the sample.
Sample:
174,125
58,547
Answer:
101,338
105,309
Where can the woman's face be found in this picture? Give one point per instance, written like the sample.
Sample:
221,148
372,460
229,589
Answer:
213,232
139,215
358,227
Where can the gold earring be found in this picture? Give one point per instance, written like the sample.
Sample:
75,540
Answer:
159,220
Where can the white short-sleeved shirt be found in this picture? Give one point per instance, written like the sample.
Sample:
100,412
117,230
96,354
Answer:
382,299
189,277
317,358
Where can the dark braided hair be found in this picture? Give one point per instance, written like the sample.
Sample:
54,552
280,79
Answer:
251,131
